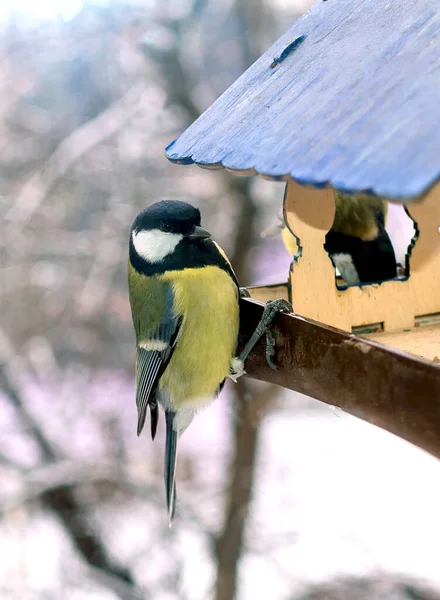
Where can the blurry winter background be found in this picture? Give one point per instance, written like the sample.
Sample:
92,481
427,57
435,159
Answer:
280,497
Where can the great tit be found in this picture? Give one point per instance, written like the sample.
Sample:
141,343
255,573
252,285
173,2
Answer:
358,243
184,300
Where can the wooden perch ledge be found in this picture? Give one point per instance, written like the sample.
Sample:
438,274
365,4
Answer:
383,386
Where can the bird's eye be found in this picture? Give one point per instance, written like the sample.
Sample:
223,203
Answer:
166,227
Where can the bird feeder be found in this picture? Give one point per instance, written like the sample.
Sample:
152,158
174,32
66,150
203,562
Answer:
349,100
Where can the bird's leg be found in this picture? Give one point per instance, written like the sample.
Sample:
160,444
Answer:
263,328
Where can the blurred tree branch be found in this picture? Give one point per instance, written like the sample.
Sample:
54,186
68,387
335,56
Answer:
381,586
123,589
75,146
178,81
60,499
68,251
60,474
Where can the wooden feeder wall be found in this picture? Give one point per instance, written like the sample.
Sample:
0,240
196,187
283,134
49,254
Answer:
404,312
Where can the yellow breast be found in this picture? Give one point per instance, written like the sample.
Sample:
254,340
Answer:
208,300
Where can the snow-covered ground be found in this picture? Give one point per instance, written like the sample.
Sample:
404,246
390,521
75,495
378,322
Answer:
333,496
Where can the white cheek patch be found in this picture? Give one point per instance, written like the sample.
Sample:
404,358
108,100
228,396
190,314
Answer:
344,263
154,245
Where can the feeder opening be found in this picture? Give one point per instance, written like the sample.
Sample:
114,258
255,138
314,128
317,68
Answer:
370,241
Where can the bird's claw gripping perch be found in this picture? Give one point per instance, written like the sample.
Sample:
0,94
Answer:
271,309
270,350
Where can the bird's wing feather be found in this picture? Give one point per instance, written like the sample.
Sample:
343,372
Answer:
148,364
151,362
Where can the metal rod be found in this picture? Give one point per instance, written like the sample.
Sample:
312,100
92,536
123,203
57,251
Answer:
385,387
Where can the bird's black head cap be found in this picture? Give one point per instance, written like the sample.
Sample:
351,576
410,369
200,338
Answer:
193,247
173,216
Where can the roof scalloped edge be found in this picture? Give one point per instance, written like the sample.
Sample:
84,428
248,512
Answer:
188,160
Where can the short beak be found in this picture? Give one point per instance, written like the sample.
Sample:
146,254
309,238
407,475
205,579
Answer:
199,234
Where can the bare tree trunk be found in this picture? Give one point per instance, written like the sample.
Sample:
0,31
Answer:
249,406
250,410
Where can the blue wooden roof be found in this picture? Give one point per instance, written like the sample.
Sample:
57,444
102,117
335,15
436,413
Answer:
350,95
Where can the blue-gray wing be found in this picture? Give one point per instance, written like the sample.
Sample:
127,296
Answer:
153,356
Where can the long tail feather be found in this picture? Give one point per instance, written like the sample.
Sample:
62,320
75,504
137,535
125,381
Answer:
170,465
154,414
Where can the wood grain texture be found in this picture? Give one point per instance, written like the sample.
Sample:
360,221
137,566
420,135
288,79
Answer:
354,105
423,340
264,293
309,214
385,387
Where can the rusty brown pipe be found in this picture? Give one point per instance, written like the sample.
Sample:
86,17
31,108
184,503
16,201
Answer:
380,385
